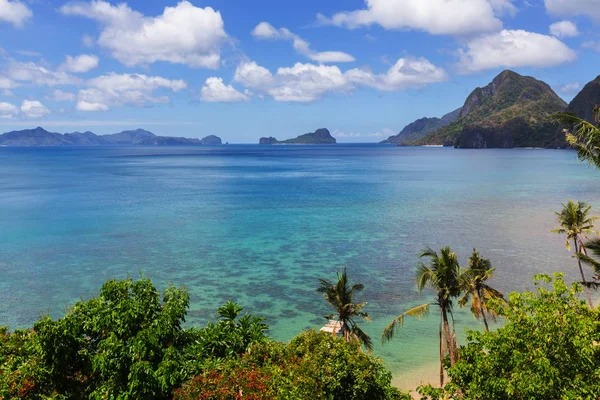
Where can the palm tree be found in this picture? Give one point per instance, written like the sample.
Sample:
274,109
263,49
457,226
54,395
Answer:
593,246
442,275
475,289
583,136
575,224
341,297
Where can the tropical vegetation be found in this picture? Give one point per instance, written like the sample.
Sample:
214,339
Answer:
340,295
575,223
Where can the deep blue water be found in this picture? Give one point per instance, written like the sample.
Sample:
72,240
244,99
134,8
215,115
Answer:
260,225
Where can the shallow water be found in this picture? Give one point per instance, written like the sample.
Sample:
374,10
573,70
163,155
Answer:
260,224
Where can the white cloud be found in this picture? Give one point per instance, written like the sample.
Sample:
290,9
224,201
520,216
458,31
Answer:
562,8
34,109
266,31
570,89
8,110
562,29
6,83
406,73
59,95
79,64
125,89
214,90
14,12
38,75
512,49
183,34
85,106
309,82
341,134
7,93
438,17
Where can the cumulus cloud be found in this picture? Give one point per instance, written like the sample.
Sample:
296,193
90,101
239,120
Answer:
563,29
309,82
512,49
59,95
125,89
406,73
81,63
85,106
214,90
14,12
266,31
8,110
594,45
563,8
6,83
38,75
34,109
183,34
438,17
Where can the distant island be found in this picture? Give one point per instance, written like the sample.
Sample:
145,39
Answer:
41,137
320,136
421,128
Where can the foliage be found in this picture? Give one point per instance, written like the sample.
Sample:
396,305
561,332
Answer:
124,344
575,224
582,135
476,290
548,349
341,298
312,366
443,275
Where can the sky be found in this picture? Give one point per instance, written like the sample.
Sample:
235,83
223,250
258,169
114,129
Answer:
243,69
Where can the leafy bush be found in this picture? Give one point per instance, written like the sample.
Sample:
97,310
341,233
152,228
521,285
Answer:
124,344
312,366
548,349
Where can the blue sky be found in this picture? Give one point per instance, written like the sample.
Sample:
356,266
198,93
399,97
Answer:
246,69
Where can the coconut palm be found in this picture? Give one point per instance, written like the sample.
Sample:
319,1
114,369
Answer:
341,297
582,135
477,291
575,223
443,276
593,247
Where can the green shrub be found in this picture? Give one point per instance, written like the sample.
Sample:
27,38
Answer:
548,349
312,366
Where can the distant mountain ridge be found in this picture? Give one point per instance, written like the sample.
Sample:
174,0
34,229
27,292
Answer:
320,136
41,137
421,128
511,111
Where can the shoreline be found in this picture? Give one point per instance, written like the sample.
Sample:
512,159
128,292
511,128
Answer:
408,381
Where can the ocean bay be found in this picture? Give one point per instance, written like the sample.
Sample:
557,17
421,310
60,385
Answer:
260,225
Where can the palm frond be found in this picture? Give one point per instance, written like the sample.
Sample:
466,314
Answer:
416,312
583,136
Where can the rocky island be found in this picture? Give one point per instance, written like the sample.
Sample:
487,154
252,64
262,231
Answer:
41,137
320,136
421,128
511,111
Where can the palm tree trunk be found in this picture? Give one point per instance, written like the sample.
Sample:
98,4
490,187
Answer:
441,359
448,336
587,289
482,311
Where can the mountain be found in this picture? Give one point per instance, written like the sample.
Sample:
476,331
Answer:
511,111
41,137
421,128
320,136
583,104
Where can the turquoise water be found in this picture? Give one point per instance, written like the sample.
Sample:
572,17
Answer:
260,224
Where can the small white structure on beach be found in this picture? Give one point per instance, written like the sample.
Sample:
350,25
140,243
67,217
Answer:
332,327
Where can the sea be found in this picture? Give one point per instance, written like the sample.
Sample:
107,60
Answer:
259,225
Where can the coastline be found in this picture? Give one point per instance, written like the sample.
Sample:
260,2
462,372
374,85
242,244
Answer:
409,380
